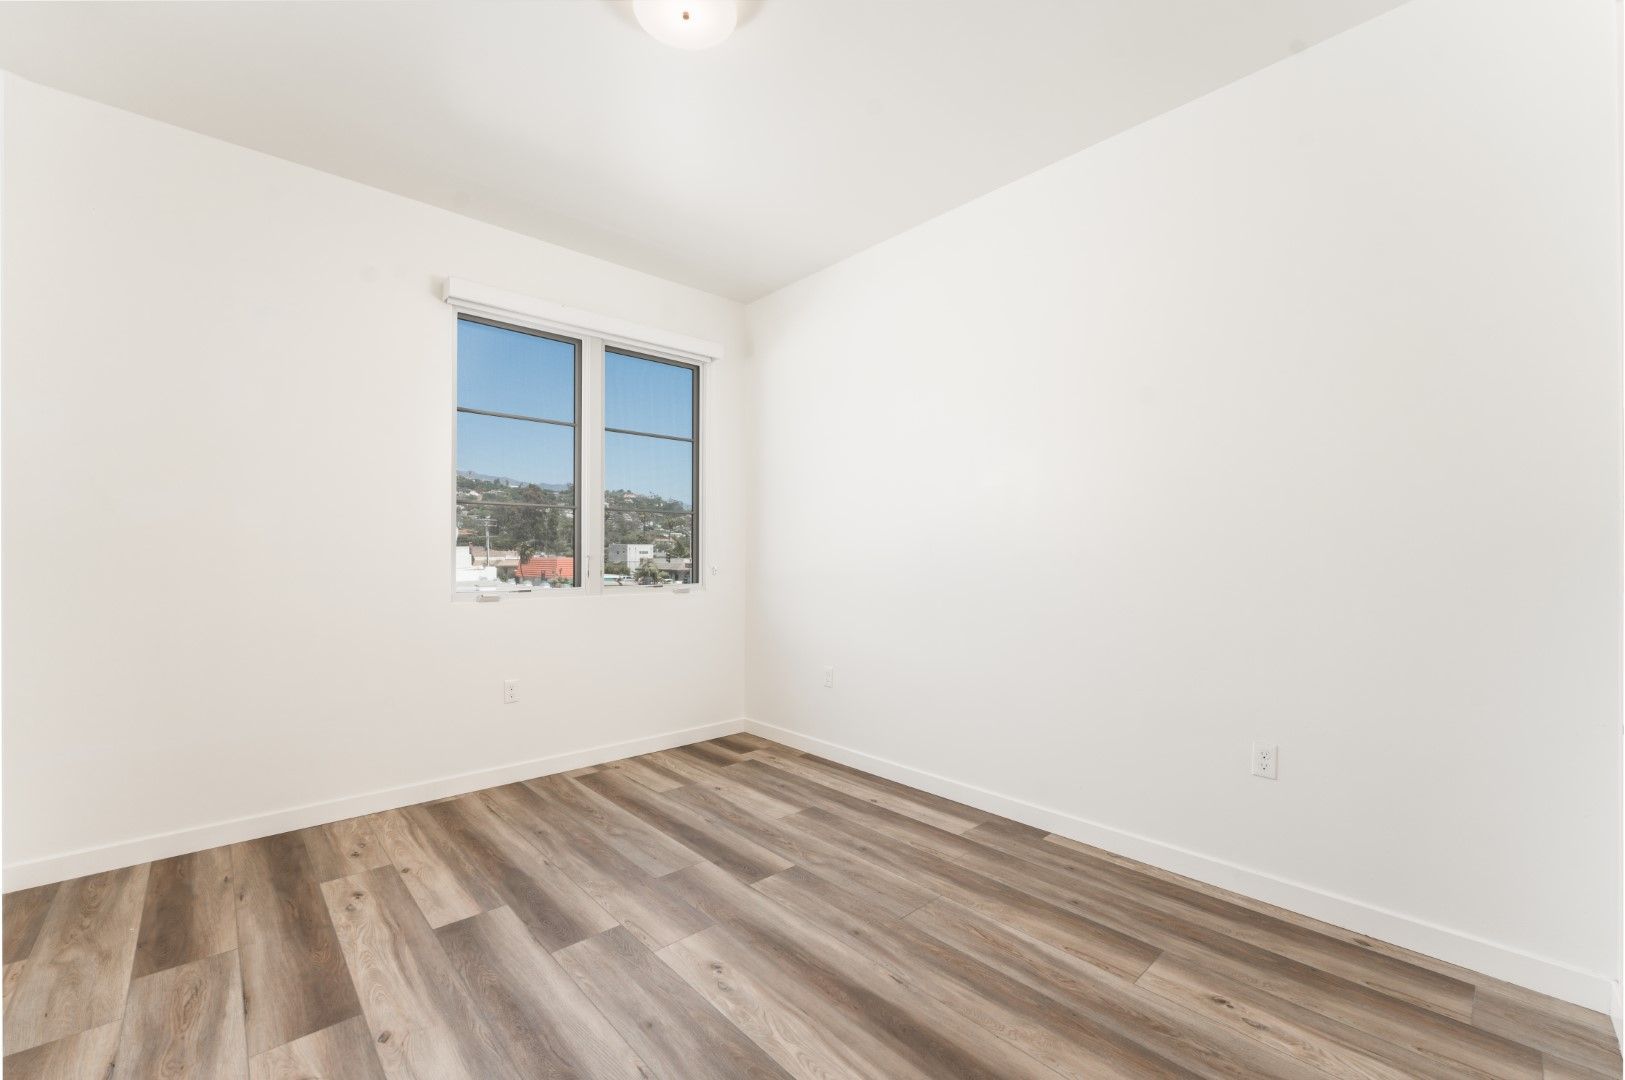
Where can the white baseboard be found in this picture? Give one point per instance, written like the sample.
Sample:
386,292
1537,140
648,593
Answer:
1616,1012
1547,976
94,860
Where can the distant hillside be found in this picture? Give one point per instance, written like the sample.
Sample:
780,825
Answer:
507,481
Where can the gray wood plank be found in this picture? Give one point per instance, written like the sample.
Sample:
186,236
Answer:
78,973
805,1042
1069,1042
294,978
341,848
24,916
341,1052
423,1022
1112,948
877,791
85,1055
437,875
652,850
1015,850
185,1020
190,911
843,985
744,742
892,892
1199,1045
645,905
1566,1032
546,1025
695,829
555,908
669,1026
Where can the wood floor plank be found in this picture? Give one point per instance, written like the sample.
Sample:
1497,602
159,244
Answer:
185,1020
667,1024
1450,1043
689,768
13,975
922,806
652,850
78,972
645,905
543,1020
813,795
439,877
694,829
556,909
1561,1069
743,742
807,1044
293,973
1069,1043
423,1022
25,912
1392,976
845,986
341,1052
341,848
759,803
1199,1045
650,774
1567,1032
189,913
86,1055
710,751
1364,942
1111,948
892,892
1335,1048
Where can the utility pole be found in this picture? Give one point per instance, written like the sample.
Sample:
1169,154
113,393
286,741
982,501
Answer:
487,539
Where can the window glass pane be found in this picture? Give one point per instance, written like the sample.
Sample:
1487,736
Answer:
506,371
514,460
644,548
503,546
641,472
642,395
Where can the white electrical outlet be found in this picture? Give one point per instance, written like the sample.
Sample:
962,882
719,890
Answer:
829,676
510,691
1266,760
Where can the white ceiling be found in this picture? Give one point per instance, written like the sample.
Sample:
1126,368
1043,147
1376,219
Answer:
821,127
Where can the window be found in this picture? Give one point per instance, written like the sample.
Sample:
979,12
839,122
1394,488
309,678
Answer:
577,464
518,448
651,469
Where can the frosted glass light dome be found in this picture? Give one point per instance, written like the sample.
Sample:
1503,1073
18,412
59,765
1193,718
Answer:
687,24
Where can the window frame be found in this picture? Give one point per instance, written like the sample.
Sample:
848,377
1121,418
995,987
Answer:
593,334
578,348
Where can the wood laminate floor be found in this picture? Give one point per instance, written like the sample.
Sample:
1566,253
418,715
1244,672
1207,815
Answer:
729,909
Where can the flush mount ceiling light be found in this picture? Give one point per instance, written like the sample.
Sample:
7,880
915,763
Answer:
687,24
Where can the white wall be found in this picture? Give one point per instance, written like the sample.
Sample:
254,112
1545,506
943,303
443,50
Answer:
221,370
1317,382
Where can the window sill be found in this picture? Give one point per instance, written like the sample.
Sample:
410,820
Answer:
619,590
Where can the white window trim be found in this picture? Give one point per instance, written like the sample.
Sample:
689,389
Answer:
476,299
594,332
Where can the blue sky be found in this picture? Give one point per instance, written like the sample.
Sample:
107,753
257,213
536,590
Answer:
507,371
